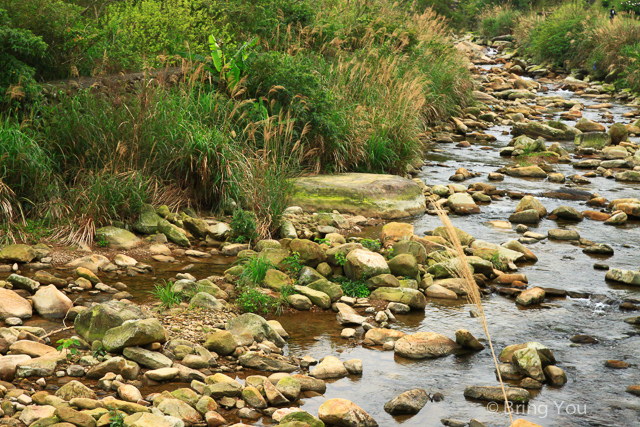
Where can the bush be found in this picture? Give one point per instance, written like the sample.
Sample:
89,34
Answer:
498,21
243,225
19,49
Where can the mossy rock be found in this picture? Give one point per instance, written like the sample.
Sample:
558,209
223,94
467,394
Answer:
93,323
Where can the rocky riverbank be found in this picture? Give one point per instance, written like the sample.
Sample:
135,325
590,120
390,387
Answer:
111,355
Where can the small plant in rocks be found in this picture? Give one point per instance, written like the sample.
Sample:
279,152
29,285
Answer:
293,263
116,418
163,291
67,345
353,288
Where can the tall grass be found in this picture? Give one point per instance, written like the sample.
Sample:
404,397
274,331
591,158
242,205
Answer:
498,20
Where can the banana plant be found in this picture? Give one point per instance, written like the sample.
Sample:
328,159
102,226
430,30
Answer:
232,67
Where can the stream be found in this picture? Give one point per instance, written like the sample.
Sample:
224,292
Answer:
594,394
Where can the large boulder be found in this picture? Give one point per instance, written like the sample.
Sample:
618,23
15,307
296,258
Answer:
93,323
370,195
50,302
413,298
629,277
173,233
395,232
9,364
134,333
344,413
362,264
597,140
147,222
13,305
118,365
465,238
256,326
537,129
404,265
330,367
425,345
117,238
17,253
618,133
530,202
629,176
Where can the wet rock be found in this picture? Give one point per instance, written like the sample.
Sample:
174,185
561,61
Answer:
256,326
629,176
618,133
529,216
465,339
634,389
344,413
318,298
347,315
117,238
599,249
354,366
528,362
495,394
423,345
555,376
253,398
530,384
409,402
162,374
300,418
379,336
508,371
330,288
274,397
404,265
437,291
597,140
462,204
616,364
330,367
77,418
530,296
221,342
526,172
546,356
21,282
568,213
530,202
289,387
586,125
363,264
629,277
146,358
562,234
308,383
413,298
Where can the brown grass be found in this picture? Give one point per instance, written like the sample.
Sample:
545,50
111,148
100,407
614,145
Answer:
461,269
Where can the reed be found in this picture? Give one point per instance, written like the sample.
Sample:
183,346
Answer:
461,270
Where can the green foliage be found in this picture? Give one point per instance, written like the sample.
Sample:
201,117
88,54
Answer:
322,241
116,418
255,270
163,291
156,27
389,253
630,6
373,245
243,225
100,352
341,258
293,263
19,48
102,242
68,345
252,300
499,21
351,288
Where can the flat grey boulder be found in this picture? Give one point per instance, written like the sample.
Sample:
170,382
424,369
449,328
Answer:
495,394
370,195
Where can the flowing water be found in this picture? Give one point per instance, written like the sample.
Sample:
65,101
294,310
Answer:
594,395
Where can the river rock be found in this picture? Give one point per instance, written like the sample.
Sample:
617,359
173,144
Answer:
13,305
300,418
221,342
383,281
146,358
586,125
529,216
409,402
568,213
206,301
545,354
117,238
462,204
526,172
21,282
93,323
363,264
413,298
629,277
118,365
379,336
310,253
77,418
404,265
330,367
34,413
179,409
562,234
17,253
9,364
31,348
599,249
618,133
369,195
254,360
529,363
395,232
516,246
256,326
320,299
530,296
537,129
75,390
555,376
597,140
412,247
51,303
347,315
276,280
530,202
466,339
423,345
437,291
134,333
465,238
299,302
289,387
344,413
630,176
495,394
162,374
330,288
274,397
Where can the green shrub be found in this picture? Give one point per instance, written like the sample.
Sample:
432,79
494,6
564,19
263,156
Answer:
498,21
243,225
255,270
19,50
293,263
353,288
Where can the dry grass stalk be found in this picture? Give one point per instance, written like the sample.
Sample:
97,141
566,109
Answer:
461,269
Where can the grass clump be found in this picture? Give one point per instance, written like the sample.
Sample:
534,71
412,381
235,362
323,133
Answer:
163,292
498,20
353,288
243,225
